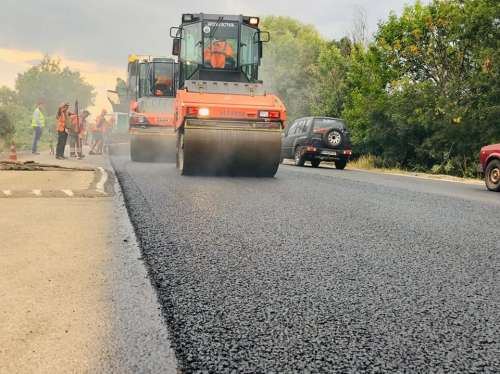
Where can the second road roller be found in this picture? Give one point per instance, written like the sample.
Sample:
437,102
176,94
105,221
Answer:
226,123
151,90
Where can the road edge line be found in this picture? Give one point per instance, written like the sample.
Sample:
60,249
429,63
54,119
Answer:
104,178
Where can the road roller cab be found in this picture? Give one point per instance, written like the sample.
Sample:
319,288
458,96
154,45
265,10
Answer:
226,122
152,87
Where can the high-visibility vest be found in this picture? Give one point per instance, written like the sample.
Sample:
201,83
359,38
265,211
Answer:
61,123
217,54
41,118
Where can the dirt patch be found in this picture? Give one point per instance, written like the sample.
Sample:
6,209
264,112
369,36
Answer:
35,166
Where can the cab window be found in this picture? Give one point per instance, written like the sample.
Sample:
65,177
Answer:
144,87
249,52
163,79
191,41
191,52
220,49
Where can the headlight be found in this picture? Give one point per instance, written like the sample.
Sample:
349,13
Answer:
204,112
138,119
254,21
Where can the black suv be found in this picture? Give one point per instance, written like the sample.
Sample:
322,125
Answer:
317,139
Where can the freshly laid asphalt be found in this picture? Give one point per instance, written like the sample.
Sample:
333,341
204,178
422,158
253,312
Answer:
320,270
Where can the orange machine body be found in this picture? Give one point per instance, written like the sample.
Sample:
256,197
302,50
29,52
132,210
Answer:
140,121
229,107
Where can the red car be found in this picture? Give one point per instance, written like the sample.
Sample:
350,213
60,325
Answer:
489,159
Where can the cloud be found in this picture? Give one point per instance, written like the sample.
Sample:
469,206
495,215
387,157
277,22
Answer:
96,36
106,31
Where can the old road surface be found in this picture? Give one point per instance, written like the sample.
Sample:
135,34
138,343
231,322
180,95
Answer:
320,270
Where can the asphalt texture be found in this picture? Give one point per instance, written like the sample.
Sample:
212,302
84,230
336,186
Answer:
320,270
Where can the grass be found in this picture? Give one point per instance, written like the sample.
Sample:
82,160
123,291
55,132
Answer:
370,162
374,163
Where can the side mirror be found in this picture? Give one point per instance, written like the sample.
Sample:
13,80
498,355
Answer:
264,36
261,37
175,32
176,47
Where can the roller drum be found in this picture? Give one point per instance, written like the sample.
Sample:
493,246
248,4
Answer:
153,147
223,151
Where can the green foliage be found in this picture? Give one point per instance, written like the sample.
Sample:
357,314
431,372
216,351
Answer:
14,115
427,93
289,60
423,95
53,84
330,86
6,127
47,82
7,96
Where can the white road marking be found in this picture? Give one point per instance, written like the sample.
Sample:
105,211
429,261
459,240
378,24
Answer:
7,192
68,192
37,192
102,181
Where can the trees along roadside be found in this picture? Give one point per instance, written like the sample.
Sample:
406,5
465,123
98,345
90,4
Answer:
50,82
6,130
423,95
288,61
438,97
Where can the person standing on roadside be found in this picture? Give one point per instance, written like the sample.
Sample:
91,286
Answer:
78,124
73,133
121,87
98,131
83,130
38,124
108,128
63,123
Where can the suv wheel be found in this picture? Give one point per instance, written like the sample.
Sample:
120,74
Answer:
492,175
340,164
333,138
315,163
299,157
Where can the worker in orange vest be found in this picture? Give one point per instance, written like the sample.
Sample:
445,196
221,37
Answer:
218,54
106,135
97,132
62,126
78,124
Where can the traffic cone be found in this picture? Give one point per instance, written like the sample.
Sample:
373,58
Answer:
13,153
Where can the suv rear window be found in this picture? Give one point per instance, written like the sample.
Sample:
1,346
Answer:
323,124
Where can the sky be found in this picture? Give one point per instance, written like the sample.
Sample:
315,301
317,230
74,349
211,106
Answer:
96,36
